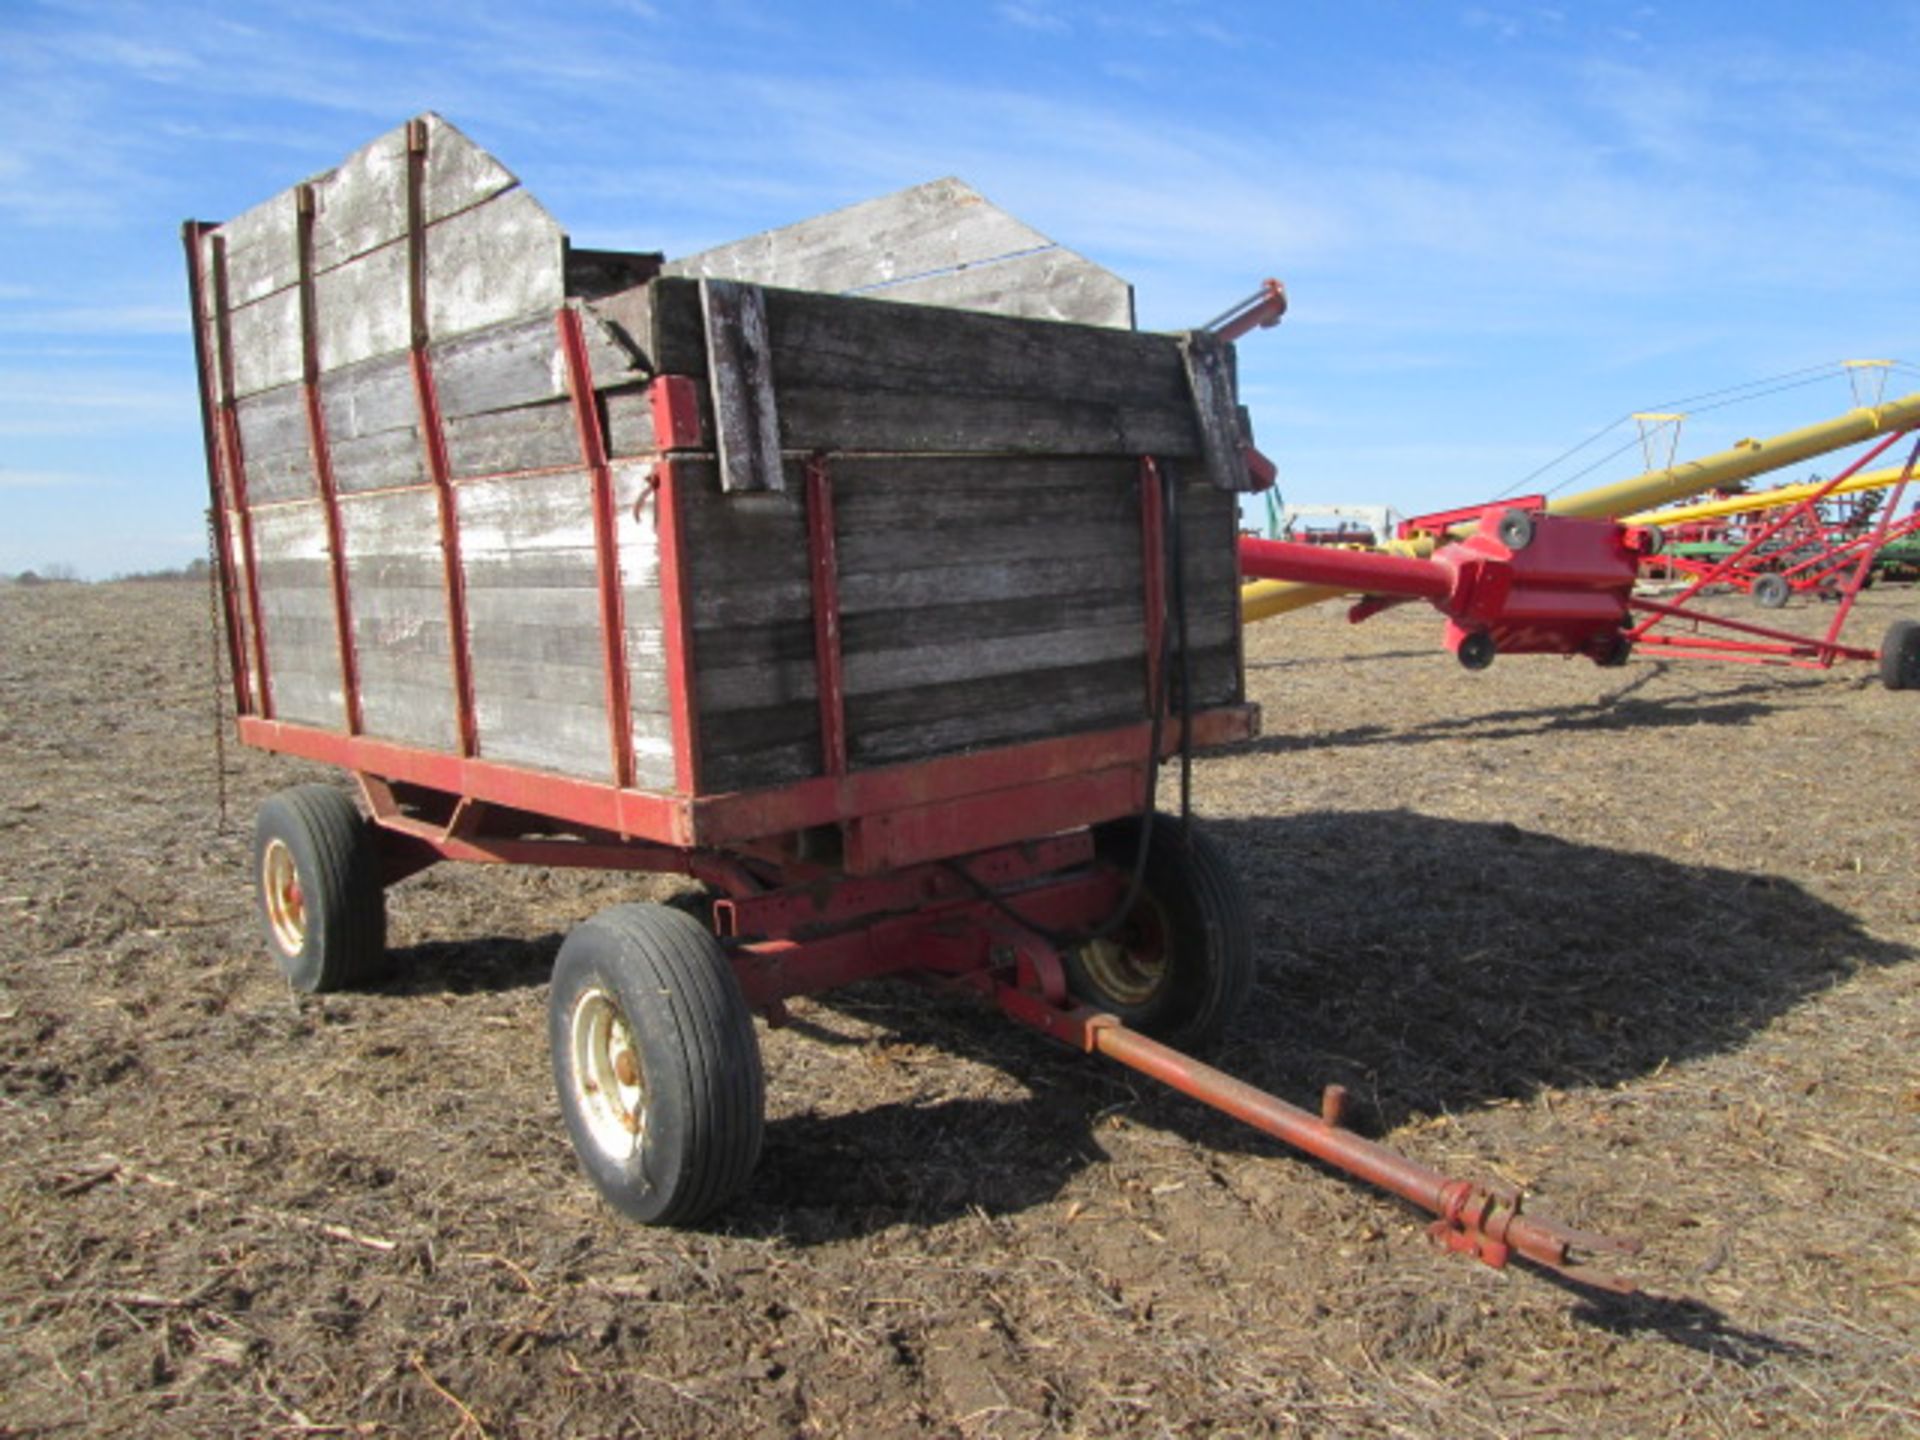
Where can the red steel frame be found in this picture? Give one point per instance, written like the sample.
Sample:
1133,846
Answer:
823,568
323,466
233,466
193,235
1830,548
1763,644
434,436
606,546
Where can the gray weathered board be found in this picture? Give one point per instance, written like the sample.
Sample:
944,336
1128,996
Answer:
942,243
984,472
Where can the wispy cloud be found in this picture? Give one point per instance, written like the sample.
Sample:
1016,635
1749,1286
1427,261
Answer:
44,404
96,320
1032,16
44,479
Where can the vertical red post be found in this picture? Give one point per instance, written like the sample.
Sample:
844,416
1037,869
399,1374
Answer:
434,434
824,567
606,545
193,234
1857,581
234,462
1153,570
323,466
676,625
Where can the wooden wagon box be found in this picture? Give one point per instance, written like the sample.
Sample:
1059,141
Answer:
681,557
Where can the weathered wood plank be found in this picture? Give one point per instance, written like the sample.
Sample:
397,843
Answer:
813,418
262,251
593,273
505,442
722,688
1037,579
981,493
275,441
308,699
912,724
396,588
297,616
1053,284
746,419
370,397
882,550
954,627
897,244
295,532
827,341
493,263
746,749
362,203
393,707
1208,364
273,421
386,461
546,732
519,363
628,416
265,337
875,670
275,478
645,649
360,308
891,726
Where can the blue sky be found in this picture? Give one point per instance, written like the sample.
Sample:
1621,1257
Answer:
1502,225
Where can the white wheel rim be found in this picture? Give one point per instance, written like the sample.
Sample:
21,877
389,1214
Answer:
609,1085
285,902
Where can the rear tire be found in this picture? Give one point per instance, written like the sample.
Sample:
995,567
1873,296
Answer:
1180,966
656,1063
1900,656
316,881
1770,592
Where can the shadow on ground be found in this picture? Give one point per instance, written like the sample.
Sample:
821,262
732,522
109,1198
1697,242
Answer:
1428,965
1623,710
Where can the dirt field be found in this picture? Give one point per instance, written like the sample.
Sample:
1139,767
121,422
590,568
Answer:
1644,940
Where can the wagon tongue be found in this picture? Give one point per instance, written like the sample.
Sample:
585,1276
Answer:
1474,1218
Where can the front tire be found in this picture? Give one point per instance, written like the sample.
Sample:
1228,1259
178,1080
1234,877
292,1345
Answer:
1900,656
1770,591
656,1063
1180,965
316,882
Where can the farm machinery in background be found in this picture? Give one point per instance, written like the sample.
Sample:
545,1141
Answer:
1809,553
1557,576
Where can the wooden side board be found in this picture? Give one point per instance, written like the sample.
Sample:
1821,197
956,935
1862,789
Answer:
489,254
941,243
883,377
984,600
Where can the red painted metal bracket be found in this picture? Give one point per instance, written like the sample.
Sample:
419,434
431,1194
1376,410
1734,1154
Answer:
433,433
676,628
193,235
616,682
1153,570
233,462
674,402
823,568
322,452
